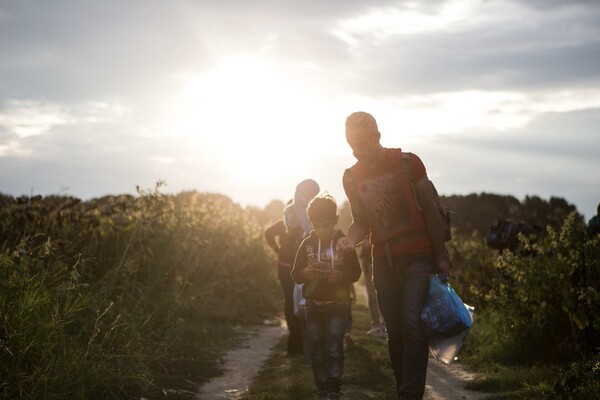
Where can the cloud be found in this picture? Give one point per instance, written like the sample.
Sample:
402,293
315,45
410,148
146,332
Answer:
562,135
29,118
94,159
26,118
72,51
554,155
491,45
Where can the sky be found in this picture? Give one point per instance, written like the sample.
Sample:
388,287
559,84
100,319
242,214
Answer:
248,98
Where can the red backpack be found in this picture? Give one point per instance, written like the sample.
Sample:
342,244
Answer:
445,214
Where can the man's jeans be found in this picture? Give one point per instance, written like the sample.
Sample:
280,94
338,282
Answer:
367,269
326,325
402,290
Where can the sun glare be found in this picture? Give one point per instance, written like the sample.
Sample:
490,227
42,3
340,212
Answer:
249,117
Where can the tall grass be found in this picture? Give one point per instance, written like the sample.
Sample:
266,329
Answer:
125,296
538,306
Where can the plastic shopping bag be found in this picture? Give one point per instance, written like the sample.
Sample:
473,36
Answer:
299,300
444,314
445,349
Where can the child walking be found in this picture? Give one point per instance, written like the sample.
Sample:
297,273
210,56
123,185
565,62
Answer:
327,276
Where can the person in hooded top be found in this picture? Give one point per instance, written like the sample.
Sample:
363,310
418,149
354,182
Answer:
297,227
295,216
327,276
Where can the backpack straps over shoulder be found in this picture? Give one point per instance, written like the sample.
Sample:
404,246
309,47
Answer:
444,213
349,180
407,169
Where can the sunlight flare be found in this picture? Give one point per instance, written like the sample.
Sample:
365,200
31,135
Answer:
256,121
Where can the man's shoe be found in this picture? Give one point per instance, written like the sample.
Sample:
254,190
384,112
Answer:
333,396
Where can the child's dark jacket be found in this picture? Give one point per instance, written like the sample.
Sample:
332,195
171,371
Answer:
347,262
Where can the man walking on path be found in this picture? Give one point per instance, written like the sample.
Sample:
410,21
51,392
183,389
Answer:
407,236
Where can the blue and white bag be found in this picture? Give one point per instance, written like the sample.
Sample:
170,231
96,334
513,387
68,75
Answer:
445,314
299,300
445,349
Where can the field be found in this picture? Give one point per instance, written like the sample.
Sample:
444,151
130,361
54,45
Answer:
127,296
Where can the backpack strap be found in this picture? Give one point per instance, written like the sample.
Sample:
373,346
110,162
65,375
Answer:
350,182
407,169
444,213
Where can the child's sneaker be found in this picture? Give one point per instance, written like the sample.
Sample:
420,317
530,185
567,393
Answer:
378,331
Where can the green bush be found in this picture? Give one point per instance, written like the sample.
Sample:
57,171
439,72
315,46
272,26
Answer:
580,381
124,296
473,268
537,306
545,295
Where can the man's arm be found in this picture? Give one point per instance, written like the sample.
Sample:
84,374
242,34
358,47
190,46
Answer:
435,226
359,228
352,268
356,234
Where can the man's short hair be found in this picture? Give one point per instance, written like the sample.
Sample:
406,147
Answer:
361,120
322,208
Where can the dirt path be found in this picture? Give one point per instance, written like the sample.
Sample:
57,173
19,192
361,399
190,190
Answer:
444,382
241,364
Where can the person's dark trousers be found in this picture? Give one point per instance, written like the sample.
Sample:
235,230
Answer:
294,323
402,290
325,326
367,270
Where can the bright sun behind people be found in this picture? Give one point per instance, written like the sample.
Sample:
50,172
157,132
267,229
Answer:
249,118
